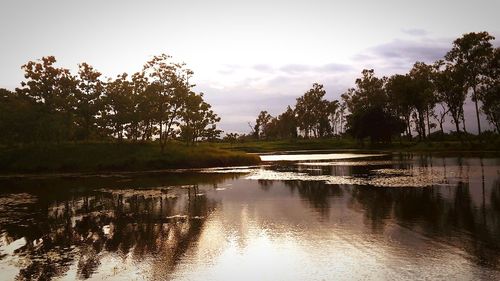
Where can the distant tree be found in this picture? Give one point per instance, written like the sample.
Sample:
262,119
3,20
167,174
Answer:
490,91
171,82
147,97
231,137
451,88
401,93
261,123
370,116
312,112
198,120
334,116
90,90
369,92
376,123
288,124
19,118
120,106
53,88
423,99
471,53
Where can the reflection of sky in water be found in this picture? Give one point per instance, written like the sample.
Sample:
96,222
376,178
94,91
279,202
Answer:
296,224
304,157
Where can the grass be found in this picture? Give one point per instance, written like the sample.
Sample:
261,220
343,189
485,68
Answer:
104,157
110,157
490,144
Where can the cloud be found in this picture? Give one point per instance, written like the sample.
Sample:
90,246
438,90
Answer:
326,68
399,55
272,87
228,69
295,68
415,32
263,68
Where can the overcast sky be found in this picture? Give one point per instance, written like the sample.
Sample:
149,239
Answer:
247,56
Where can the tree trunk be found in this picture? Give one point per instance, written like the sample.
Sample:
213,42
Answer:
428,124
162,144
477,114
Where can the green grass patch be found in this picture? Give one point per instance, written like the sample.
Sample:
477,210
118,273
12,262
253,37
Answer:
450,145
102,157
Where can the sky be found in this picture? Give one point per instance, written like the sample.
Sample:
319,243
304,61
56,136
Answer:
247,56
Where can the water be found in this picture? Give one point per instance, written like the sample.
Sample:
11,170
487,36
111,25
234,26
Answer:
313,217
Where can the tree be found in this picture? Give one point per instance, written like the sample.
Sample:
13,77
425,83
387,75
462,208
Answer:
490,91
90,90
53,88
471,53
375,123
370,115
199,120
451,87
400,92
19,118
171,81
312,112
422,95
120,106
261,123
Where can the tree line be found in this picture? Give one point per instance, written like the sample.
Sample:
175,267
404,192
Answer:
53,105
418,102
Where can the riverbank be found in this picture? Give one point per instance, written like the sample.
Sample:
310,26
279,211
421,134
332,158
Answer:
117,157
442,146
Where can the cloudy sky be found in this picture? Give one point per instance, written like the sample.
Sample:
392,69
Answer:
247,56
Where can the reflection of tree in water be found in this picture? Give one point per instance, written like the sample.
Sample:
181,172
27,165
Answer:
317,193
456,221
265,184
141,224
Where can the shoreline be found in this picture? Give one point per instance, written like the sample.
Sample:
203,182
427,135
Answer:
106,158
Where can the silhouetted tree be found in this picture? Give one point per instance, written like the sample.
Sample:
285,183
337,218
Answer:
471,53
490,91
199,120
53,88
312,113
451,87
90,90
370,117
261,123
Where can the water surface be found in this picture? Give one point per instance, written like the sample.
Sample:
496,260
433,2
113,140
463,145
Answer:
337,217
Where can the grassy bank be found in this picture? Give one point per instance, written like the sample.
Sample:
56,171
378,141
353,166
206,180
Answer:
106,157
487,145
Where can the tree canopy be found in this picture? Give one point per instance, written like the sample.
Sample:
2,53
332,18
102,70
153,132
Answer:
53,105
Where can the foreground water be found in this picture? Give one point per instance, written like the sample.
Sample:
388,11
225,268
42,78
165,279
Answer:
312,217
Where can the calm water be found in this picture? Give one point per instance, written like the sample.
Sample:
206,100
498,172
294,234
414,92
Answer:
316,217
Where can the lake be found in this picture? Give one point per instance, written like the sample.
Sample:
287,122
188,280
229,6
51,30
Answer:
321,216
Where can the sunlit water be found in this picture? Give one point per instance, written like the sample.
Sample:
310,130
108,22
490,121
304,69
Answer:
316,217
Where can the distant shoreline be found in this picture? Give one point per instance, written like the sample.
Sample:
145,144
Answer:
344,145
91,159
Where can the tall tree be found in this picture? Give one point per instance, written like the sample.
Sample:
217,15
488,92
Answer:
400,92
172,88
261,124
120,106
312,112
370,115
54,89
199,120
471,53
451,86
423,94
490,92
90,90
